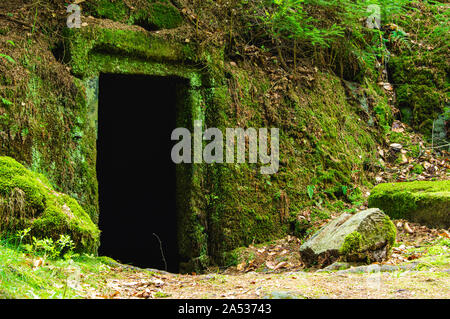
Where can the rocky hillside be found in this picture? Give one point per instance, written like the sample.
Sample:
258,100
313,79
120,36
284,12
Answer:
341,94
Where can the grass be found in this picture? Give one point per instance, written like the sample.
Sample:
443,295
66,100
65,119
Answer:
88,277
25,276
433,255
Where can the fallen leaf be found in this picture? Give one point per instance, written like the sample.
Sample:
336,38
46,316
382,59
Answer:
270,265
241,266
282,264
445,234
38,263
407,228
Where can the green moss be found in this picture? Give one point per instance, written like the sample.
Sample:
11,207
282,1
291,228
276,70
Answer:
28,200
425,103
420,74
357,246
115,10
353,243
157,16
384,115
425,202
152,15
390,232
122,51
418,169
401,138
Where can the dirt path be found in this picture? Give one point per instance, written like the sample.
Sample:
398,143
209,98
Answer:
424,255
408,284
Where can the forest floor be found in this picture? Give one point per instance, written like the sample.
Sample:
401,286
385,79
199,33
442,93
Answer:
421,255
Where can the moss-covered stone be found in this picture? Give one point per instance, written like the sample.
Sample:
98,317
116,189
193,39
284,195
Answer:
109,9
27,200
96,49
157,15
424,102
422,202
352,243
419,71
150,14
364,237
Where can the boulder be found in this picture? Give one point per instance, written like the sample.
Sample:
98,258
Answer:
423,202
367,236
27,200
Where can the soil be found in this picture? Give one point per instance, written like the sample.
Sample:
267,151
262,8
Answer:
265,276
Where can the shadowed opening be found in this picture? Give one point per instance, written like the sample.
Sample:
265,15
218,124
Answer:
137,178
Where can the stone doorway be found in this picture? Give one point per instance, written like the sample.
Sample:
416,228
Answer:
137,178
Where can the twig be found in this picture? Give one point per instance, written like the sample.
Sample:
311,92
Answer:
15,20
162,252
440,146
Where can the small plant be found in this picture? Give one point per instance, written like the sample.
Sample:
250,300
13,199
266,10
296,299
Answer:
7,57
65,246
6,102
21,234
418,169
46,247
160,294
310,190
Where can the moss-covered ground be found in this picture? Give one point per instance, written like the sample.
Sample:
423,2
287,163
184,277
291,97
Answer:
25,276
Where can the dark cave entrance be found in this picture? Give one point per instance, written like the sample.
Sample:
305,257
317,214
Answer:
137,178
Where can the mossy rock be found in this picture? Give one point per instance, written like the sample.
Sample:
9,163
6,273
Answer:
150,14
425,103
423,202
367,236
108,9
158,16
27,200
165,16
94,49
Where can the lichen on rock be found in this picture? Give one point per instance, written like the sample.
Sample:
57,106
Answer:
367,236
27,200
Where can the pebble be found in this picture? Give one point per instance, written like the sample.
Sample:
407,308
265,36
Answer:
283,295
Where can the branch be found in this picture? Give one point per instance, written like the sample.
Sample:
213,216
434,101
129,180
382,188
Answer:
162,252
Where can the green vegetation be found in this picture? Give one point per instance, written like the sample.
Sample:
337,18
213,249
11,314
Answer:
150,14
29,276
113,10
27,200
95,49
357,245
419,65
352,244
7,57
157,15
425,202
310,68
435,254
